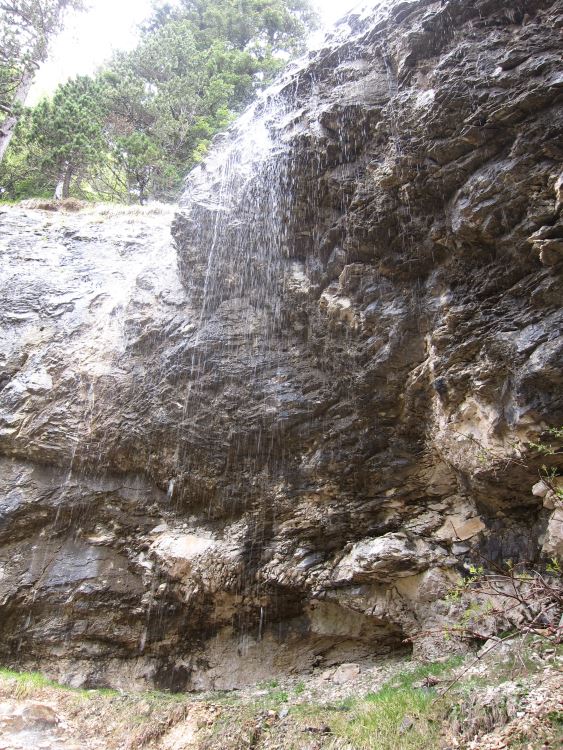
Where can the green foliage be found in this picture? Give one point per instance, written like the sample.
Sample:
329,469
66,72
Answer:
476,572
548,449
69,129
262,27
527,599
299,688
543,448
550,475
552,480
26,28
136,129
29,682
21,175
138,156
31,679
196,65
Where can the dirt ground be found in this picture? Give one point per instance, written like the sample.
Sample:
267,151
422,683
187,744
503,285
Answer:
321,710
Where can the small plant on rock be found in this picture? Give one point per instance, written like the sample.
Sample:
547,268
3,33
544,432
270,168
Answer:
521,598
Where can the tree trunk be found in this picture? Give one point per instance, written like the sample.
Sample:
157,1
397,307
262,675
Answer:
142,194
9,125
66,181
59,189
62,190
6,132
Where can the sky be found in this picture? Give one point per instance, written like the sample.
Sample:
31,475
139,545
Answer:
90,37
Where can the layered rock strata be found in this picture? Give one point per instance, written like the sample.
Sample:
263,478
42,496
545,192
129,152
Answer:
283,451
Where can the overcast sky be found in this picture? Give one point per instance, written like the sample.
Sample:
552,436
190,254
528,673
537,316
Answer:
89,38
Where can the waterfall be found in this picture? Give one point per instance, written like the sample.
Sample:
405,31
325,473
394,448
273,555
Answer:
282,438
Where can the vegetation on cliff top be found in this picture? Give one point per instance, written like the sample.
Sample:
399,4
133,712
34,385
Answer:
26,29
136,128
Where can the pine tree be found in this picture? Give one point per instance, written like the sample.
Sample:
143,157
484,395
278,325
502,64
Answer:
198,63
26,28
70,131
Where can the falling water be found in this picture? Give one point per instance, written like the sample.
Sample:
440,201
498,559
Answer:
247,232
243,215
234,215
235,208
234,227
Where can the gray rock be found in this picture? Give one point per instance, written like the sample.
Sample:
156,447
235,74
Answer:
353,347
383,559
345,673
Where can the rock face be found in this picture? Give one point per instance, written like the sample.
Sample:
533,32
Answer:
282,451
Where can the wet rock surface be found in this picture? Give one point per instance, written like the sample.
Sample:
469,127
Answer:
275,445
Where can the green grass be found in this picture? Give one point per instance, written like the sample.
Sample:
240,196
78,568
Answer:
273,700
397,717
299,688
160,696
29,681
434,669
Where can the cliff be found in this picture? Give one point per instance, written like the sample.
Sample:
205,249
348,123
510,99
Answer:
279,444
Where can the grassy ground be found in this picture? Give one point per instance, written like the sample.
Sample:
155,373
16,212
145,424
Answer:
511,701
403,715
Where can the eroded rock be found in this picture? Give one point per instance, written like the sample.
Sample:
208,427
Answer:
282,453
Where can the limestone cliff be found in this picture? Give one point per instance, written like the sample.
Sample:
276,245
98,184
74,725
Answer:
284,451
